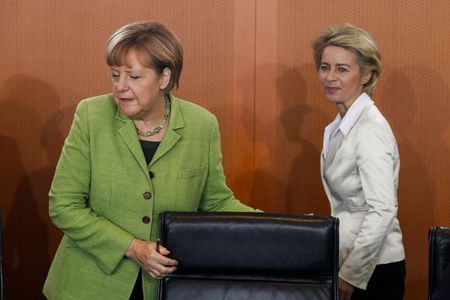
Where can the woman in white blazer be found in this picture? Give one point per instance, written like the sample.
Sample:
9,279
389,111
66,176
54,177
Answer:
360,166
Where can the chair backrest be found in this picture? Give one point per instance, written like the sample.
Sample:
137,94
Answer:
250,256
1,257
439,258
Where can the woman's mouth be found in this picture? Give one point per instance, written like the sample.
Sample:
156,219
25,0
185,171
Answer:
331,90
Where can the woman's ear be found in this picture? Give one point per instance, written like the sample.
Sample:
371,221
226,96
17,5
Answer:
366,77
165,78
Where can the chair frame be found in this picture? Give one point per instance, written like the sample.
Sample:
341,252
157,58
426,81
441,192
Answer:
196,220
439,256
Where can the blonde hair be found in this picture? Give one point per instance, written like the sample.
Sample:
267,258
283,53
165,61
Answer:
356,40
157,46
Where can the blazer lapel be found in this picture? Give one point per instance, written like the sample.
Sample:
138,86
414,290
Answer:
340,138
171,137
336,143
128,133
322,163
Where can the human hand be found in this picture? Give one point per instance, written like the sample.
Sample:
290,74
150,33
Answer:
152,258
345,290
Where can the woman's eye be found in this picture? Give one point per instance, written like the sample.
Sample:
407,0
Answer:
135,77
342,70
323,68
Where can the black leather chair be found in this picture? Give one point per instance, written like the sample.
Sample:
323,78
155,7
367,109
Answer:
1,257
439,259
250,256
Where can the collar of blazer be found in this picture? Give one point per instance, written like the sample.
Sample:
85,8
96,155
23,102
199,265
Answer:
127,131
345,130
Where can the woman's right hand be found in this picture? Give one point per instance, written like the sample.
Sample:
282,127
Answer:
155,263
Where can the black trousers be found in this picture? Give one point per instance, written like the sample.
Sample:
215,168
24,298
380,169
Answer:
387,283
137,293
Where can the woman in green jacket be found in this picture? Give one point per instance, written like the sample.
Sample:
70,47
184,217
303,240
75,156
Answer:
129,156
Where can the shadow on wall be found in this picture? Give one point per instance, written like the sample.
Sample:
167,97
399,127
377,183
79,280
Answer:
415,101
301,130
27,142
294,169
256,184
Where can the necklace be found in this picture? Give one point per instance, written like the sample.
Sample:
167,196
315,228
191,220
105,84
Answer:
161,125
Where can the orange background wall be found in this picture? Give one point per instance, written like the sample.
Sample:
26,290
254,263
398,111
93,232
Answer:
249,62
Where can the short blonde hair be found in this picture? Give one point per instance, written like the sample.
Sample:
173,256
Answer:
158,47
359,42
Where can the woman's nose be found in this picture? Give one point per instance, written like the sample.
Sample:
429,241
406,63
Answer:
122,83
330,75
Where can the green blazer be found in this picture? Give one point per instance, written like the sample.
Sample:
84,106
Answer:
104,194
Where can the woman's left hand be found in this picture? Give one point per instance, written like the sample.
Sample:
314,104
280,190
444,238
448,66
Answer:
345,290
152,260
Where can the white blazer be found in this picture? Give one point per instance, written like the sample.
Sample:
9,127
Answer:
361,185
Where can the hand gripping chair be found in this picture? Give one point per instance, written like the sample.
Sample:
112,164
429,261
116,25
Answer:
438,261
250,256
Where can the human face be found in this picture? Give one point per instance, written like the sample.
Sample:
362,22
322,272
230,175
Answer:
341,76
138,90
